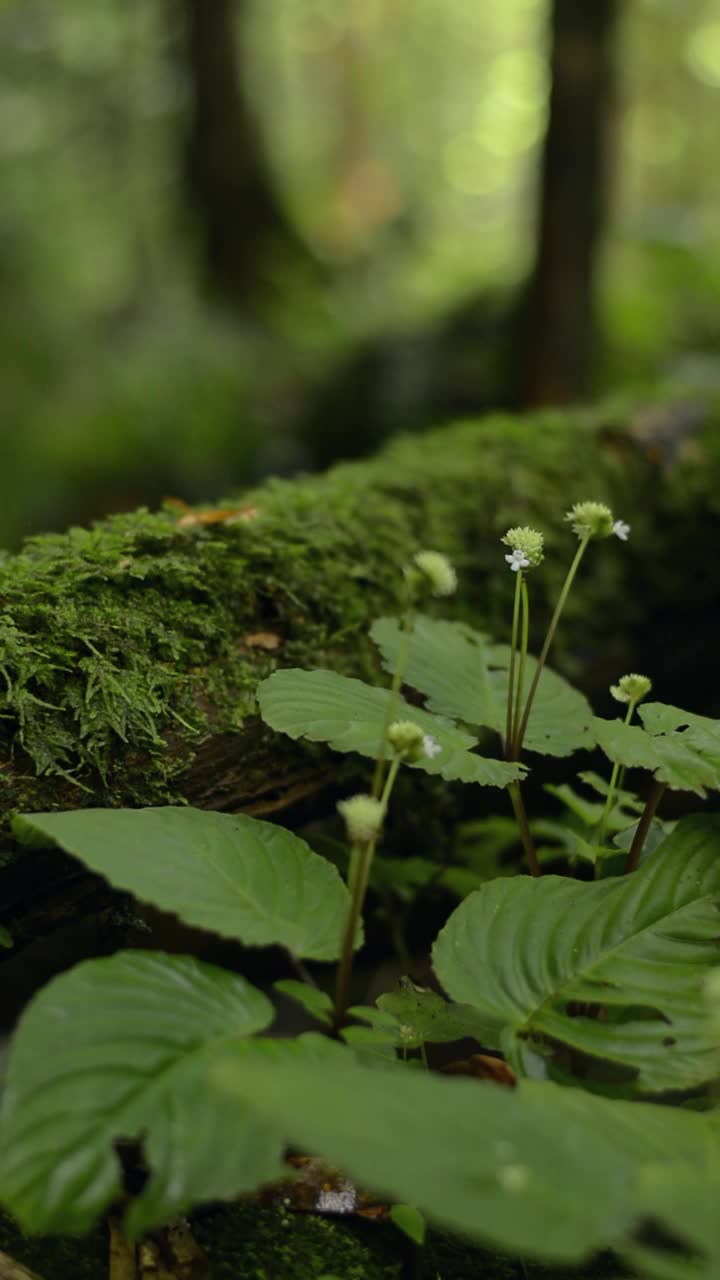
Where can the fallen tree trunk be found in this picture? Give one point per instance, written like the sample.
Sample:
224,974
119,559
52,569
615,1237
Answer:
131,652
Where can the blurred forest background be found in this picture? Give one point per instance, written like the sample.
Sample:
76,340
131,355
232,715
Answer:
241,236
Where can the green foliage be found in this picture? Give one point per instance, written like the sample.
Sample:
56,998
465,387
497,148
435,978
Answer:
423,1016
682,750
466,677
540,958
505,1166
120,1049
315,1002
235,875
409,1220
349,715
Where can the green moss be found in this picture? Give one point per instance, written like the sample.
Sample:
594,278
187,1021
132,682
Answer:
122,647
248,1241
244,1242
56,1257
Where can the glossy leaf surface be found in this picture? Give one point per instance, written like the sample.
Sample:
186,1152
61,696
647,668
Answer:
466,677
681,749
233,874
349,715
540,958
120,1048
540,1170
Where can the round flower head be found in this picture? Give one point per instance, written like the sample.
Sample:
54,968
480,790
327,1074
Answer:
591,520
631,688
406,738
436,570
363,816
526,546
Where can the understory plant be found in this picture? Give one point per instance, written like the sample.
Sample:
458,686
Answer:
591,991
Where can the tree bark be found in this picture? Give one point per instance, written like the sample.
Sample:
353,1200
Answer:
242,219
559,321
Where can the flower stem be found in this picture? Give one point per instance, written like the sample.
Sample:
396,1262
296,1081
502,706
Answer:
521,672
524,828
549,638
511,668
401,662
657,792
360,863
613,784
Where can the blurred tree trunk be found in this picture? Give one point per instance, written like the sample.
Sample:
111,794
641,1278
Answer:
244,225
558,325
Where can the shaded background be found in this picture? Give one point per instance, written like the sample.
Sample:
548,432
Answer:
241,236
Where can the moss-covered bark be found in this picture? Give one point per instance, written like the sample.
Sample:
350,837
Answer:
130,652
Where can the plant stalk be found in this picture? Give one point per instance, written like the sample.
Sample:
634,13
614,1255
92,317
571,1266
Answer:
549,638
361,860
521,672
395,686
524,828
657,792
613,784
511,668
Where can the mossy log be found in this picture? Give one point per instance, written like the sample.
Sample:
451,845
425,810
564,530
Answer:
130,652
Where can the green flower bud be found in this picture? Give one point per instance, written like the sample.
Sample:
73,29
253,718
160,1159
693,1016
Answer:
591,520
436,569
407,738
363,816
632,688
526,546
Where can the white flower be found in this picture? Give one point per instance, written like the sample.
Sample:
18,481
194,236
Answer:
518,560
621,530
431,746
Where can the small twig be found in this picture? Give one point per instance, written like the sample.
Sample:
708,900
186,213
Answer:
657,792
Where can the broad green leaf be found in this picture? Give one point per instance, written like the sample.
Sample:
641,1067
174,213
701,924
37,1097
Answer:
5,937
687,759
658,831
627,799
315,1002
531,954
235,875
588,811
466,678
407,876
680,1196
410,1221
349,715
371,1046
539,1170
569,842
120,1048
421,1015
